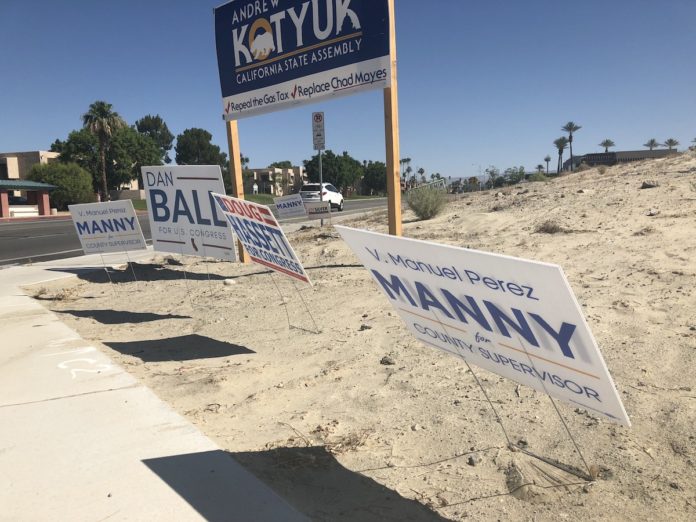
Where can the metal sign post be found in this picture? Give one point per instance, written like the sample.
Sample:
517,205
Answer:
319,138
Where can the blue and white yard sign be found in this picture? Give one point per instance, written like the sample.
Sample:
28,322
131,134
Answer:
289,207
107,227
511,316
277,53
184,218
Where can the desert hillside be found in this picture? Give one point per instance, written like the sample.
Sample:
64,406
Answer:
361,422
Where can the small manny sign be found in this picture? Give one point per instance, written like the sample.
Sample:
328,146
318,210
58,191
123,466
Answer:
513,317
107,227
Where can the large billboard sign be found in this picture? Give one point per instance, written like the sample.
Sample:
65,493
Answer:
514,317
184,218
261,236
277,53
107,227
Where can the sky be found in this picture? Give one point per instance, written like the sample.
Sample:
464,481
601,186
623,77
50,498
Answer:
485,82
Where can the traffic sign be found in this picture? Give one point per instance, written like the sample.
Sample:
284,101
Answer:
318,130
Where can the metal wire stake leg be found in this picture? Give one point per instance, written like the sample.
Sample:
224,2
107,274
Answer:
130,264
287,314
107,273
316,328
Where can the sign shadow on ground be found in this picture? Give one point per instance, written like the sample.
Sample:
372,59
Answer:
121,316
308,478
183,348
144,272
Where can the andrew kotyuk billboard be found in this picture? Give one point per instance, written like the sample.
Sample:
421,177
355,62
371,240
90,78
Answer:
277,53
184,218
261,236
514,317
107,227
290,206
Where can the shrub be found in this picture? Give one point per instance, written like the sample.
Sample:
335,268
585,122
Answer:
538,176
426,203
602,169
550,227
74,183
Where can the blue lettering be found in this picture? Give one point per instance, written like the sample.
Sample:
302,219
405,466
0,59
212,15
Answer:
158,202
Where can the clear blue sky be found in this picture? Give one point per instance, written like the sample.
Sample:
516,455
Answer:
480,82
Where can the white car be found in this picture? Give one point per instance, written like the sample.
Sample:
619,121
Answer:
310,192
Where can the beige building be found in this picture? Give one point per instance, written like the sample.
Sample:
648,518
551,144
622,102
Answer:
274,181
16,165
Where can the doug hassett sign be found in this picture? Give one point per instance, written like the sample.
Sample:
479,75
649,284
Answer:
276,53
261,236
184,218
107,227
514,317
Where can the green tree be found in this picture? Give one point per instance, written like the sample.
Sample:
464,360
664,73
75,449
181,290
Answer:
157,130
671,142
102,121
81,147
514,175
493,176
375,177
342,171
286,164
74,183
651,143
561,144
606,144
547,159
129,151
194,147
570,128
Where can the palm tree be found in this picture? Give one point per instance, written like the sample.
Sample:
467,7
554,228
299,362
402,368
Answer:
540,168
102,121
606,144
671,142
547,159
561,144
570,128
651,143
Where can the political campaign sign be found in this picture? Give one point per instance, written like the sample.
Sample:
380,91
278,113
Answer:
318,209
290,206
184,218
513,317
261,235
107,227
276,53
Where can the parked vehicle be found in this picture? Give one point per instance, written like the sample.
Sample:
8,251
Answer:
310,192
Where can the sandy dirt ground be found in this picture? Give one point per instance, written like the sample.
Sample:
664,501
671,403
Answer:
361,422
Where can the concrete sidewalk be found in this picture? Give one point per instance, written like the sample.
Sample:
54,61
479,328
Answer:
81,439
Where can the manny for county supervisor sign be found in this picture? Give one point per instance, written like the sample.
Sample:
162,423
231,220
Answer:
514,317
107,227
277,53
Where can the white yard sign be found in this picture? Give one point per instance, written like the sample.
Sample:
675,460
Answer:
290,206
184,218
511,316
318,209
107,227
262,236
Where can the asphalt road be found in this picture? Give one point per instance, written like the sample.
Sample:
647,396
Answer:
31,241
